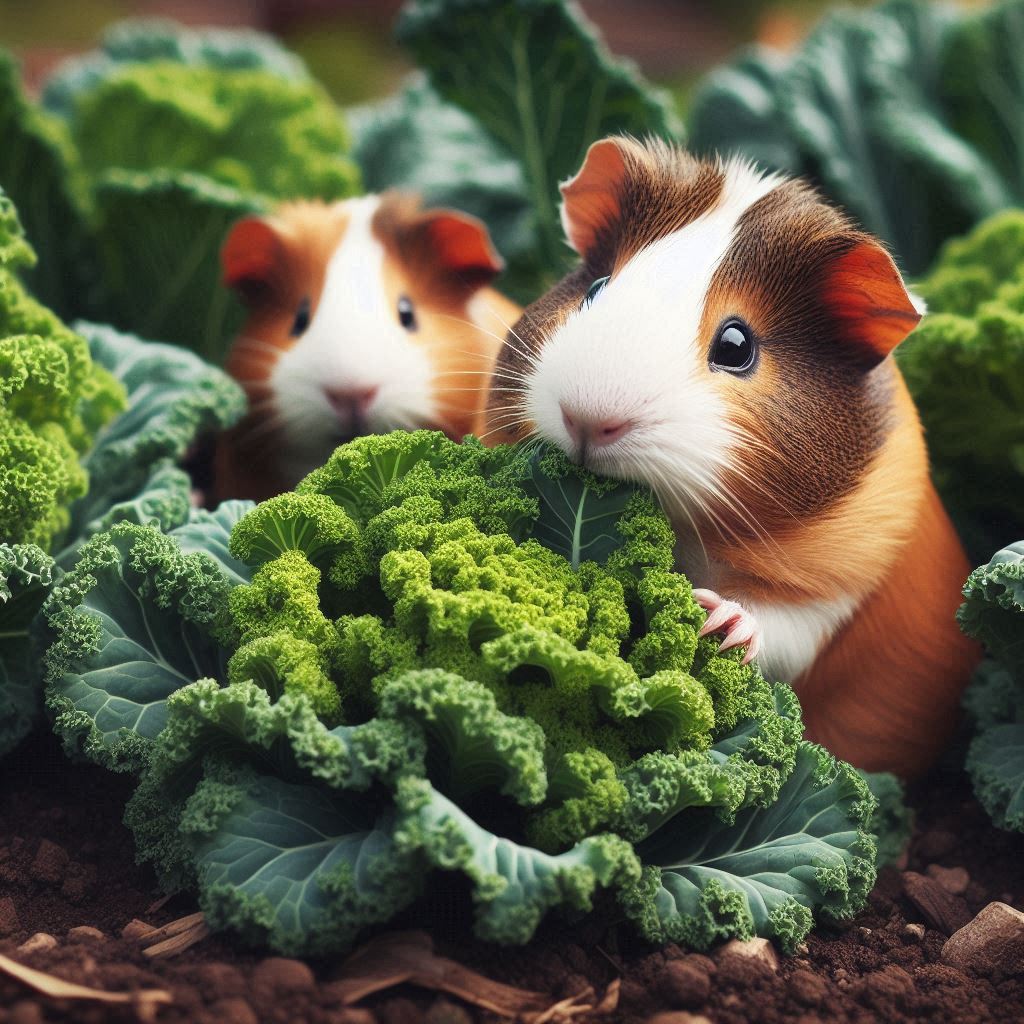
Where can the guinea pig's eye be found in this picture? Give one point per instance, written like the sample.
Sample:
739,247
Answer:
593,291
301,321
734,348
406,313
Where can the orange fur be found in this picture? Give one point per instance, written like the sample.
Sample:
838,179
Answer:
885,692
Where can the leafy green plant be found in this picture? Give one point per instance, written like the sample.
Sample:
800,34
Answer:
152,148
388,672
993,612
92,425
965,368
906,113
535,89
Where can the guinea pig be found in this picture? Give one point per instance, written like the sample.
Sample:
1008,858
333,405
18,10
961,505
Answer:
726,340
364,316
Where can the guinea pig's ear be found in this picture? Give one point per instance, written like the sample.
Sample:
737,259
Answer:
251,257
863,290
461,244
591,199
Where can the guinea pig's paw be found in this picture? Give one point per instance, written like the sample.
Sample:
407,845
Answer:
740,627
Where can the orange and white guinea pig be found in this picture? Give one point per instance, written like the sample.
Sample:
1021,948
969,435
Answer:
364,316
726,339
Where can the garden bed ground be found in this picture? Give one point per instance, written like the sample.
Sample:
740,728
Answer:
66,861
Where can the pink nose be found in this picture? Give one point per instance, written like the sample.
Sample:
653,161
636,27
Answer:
351,403
593,431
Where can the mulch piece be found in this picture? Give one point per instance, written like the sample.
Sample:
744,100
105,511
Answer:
67,870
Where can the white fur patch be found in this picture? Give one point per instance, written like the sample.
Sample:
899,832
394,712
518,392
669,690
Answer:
354,341
793,634
635,354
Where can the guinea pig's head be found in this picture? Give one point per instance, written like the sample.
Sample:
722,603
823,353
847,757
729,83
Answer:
357,315
724,339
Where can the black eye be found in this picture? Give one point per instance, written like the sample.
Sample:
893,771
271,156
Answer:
301,321
734,348
406,313
593,291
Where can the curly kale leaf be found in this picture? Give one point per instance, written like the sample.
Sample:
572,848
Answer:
296,867
993,612
26,574
513,886
591,519
133,621
993,608
768,872
242,725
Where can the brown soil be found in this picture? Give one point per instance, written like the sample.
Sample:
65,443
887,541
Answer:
66,861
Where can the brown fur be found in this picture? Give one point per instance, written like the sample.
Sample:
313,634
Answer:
831,491
460,322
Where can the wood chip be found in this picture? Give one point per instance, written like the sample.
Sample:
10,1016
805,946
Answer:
399,958
939,908
176,937
57,988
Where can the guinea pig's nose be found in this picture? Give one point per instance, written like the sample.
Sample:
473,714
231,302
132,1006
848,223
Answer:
351,403
593,431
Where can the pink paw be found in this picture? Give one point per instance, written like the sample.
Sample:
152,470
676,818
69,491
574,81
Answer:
739,626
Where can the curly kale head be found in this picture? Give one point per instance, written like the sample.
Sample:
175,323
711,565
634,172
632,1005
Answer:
965,367
440,656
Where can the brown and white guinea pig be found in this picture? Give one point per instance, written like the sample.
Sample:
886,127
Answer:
726,340
364,316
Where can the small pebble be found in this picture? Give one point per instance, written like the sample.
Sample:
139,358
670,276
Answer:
994,938
85,933
38,943
760,950
914,930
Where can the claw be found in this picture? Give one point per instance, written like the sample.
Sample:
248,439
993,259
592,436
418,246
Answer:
739,625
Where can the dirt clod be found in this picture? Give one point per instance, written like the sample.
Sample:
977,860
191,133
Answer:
50,863
953,880
277,974
678,1017
10,923
684,984
808,988
234,1011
